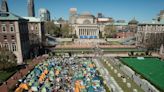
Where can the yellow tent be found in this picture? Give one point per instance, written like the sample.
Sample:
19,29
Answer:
21,87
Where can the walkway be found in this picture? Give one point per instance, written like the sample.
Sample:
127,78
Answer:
108,78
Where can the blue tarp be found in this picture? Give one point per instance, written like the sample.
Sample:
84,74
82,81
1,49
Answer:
87,37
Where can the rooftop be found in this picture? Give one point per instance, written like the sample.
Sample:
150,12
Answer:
152,22
9,16
33,19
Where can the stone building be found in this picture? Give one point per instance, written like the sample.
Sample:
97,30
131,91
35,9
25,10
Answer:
150,35
14,35
36,30
31,8
4,6
36,35
44,14
84,25
132,24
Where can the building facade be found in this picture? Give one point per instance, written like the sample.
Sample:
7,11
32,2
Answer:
161,15
14,35
133,24
31,8
4,6
84,25
73,15
150,34
87,31
44,14
36,30
36,35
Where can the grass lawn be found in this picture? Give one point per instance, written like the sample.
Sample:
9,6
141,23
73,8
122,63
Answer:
150,68
114,42
4,75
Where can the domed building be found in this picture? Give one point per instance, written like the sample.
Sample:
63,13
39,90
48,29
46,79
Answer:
85,26
133,25
85,18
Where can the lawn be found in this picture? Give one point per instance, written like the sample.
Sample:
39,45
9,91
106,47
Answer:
150,68
114,42
4,75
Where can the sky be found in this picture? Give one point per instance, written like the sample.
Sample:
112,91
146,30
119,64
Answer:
142,10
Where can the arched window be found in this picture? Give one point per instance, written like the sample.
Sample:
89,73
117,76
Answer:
3,27
6,45
11,27
13,47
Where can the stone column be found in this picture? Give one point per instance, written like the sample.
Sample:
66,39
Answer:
78,32
89,32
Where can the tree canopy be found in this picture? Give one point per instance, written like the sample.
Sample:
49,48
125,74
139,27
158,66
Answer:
62,30
7,59
110,31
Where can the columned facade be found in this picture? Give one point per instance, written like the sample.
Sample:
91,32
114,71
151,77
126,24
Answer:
87,31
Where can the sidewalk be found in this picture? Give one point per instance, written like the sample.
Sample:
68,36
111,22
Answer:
12,81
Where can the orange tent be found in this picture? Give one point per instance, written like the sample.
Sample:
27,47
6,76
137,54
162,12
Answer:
77,86
21,87
24,86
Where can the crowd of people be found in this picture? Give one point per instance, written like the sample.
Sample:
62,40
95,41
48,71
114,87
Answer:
63,74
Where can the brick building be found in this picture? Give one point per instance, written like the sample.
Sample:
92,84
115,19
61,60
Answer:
14,35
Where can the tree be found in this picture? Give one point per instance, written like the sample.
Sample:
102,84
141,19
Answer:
65,30
52,29
7,59
110,31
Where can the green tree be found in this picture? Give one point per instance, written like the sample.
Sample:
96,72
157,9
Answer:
65,30
7,59
52,29
110,31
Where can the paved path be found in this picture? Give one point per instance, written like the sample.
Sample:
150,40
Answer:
105,74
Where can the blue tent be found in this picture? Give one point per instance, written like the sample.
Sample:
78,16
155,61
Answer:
90,89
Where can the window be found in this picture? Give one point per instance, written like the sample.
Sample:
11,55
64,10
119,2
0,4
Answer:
14,47
5,37
3,28
6,45
36,27
12,37
32,28
11,27
0,45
